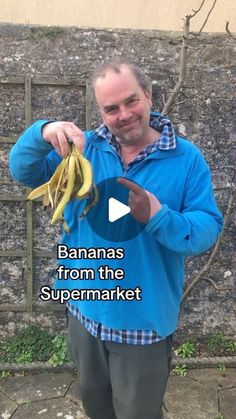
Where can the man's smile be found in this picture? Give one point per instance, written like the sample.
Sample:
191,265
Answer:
129,126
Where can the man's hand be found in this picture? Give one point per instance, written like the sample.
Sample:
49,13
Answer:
143,204
58,134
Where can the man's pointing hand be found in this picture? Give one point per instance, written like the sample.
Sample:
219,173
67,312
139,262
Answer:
143,204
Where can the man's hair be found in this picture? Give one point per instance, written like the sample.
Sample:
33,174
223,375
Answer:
143,80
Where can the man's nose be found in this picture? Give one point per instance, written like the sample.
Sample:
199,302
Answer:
124,113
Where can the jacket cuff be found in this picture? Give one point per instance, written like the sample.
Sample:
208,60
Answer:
154,222
38,137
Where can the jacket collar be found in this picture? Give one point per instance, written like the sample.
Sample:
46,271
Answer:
166,141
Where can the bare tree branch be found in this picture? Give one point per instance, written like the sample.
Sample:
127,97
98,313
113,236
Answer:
183,57
163,98
197,11
208,15
171,102
207,266
228,31
183,64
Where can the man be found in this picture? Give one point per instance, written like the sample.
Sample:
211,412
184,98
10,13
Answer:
122,348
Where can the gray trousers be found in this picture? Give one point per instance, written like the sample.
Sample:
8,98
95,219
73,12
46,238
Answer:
119,381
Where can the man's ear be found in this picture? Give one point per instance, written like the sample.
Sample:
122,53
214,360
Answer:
103,117
148,94
99,112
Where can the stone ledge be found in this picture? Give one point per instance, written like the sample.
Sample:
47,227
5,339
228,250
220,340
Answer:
198,362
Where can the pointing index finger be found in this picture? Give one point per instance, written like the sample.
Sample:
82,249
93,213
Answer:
132,186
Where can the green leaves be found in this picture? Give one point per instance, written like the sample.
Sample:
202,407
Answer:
34,344
59,351
186,350
219,344
180,370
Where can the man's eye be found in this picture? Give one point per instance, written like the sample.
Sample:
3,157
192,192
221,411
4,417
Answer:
111,111
132,102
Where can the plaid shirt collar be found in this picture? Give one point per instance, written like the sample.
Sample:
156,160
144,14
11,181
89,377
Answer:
167,140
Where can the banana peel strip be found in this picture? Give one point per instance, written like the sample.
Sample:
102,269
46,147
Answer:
73,178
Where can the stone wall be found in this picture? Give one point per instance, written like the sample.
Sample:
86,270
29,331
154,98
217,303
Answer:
206,117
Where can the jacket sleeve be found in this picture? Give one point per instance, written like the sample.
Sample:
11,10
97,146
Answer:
196,228
32,161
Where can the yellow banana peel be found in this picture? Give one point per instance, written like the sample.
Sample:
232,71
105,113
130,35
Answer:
73,178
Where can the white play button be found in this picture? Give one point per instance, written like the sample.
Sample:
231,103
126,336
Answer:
116,209
111,218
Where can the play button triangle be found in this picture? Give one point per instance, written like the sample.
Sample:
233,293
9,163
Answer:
116,209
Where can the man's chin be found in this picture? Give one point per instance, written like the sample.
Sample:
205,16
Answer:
129,138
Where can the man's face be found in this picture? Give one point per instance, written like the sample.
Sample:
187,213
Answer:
124,106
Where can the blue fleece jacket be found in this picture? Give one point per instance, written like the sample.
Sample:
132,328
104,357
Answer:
188,224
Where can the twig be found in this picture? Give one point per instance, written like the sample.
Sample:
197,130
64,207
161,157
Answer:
214,284
208,15
228,31
207,266
197,11
175,104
